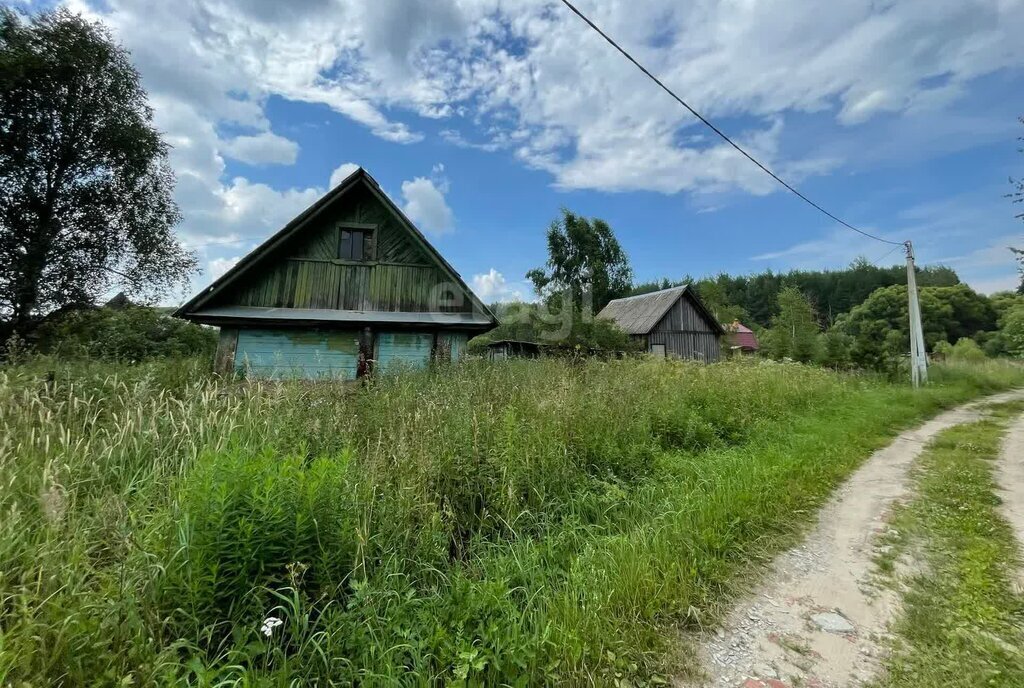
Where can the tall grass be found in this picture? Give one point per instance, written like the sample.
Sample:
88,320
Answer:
531,522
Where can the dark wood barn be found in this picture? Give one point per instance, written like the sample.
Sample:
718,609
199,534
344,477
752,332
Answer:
671,322
348,285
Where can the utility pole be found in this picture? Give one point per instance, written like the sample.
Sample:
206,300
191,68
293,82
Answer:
918,355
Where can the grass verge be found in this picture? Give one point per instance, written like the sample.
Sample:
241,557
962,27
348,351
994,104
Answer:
963,623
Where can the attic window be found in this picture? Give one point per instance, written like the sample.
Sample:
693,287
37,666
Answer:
353,244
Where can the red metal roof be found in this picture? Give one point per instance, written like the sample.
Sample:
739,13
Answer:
742,337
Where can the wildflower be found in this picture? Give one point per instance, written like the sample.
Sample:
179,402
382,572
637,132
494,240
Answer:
269,624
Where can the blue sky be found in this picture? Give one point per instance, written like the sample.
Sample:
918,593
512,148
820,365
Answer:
483,117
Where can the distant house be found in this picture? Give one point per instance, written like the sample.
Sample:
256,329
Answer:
671,322
512,348
120,301
741,339
348,285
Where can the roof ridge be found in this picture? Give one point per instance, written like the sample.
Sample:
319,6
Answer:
681,287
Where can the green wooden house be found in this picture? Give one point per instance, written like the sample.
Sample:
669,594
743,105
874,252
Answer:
348,286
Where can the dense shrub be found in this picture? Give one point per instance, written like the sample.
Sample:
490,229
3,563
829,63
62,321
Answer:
533,322
130,333
965,349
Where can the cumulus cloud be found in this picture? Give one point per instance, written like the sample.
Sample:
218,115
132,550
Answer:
492,286
426,206
263,148
218,266
537,82
532,80
341,172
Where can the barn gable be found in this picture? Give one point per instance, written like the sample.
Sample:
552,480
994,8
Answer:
352,256
672,322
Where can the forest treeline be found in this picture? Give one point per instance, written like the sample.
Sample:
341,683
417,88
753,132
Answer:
754,299
852,318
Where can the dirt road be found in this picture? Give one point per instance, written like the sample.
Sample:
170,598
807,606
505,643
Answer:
816,620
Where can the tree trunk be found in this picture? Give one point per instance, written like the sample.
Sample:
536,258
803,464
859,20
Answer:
26,291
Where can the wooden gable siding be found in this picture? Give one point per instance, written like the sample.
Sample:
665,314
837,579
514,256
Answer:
686,333
398,276
683,316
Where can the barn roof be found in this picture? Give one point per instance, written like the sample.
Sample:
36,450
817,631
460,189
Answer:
639,314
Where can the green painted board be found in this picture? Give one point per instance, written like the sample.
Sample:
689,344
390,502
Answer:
397,350
453,344
306,354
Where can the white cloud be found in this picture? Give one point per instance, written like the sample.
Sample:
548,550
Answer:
533,79
1006,282
263,148
341,172
261,208
991,267
218,266
426,206
492,286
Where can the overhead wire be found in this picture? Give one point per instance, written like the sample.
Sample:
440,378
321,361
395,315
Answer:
720,133
887,254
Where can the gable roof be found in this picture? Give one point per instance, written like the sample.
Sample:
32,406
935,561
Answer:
639,314
261,252
742,336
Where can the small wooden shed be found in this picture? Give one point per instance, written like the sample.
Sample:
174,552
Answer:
513,348
347,286
671,322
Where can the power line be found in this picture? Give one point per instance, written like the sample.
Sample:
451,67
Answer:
887,254
718,131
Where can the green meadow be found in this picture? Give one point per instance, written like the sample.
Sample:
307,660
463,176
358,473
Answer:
532,522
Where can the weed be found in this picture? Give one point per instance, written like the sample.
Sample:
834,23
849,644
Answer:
533,522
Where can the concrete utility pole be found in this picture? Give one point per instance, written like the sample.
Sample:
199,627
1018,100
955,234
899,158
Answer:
918,355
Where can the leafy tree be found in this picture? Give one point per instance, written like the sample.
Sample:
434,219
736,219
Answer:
794,331
879,329
648,287
1005,301
713,295
585,260
85,186
880,326
952,313
1017,196
1013,331
834,349
1019,255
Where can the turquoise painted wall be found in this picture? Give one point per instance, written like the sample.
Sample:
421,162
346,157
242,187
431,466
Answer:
403,349
297,353
456,343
